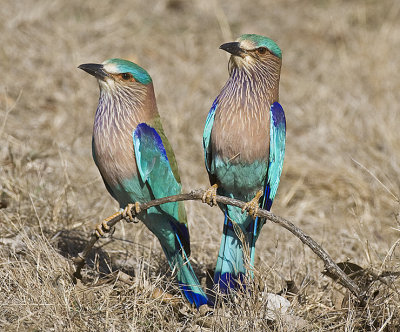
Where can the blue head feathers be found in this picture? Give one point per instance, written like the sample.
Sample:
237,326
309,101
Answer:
261,41
120,66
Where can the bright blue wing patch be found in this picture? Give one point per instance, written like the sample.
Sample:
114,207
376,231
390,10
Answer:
276,152
154,167
207,134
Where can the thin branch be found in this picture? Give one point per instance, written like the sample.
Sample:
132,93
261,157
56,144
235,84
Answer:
330,265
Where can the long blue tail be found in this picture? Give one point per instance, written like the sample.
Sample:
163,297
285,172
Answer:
230,270
189,284
187,280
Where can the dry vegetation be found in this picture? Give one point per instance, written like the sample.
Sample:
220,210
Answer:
340,88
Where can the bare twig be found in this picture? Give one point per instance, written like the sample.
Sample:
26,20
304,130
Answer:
330,265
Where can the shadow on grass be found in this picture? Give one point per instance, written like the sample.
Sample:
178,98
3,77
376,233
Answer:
70,243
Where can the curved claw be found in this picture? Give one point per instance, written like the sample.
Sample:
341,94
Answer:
210,195
252,206
127,213
101,229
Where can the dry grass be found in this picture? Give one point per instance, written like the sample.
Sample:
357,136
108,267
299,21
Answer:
340,90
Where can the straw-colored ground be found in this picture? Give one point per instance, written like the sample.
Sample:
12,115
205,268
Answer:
340,88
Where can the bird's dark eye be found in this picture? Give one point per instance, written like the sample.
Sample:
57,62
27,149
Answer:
126,76
262,50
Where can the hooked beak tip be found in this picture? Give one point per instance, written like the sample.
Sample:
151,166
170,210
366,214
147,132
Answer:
94,69
232,48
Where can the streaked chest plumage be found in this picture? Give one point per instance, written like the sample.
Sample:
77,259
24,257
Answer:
114,153
115,122
241,124
240,135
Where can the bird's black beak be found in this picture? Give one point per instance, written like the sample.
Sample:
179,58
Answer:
97,70
233,48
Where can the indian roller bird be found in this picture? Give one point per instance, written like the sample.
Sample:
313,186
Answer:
137,163
244,147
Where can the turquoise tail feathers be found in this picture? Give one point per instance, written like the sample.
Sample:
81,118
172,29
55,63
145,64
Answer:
187,280
230,270
189,284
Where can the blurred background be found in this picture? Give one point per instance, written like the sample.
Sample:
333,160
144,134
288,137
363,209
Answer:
339,88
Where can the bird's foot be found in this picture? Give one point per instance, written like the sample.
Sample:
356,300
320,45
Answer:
127,213
252,206
210,195
102,229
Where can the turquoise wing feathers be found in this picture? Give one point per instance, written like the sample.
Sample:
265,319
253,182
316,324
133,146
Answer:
207,134
155,170
277,142
154,167
276,152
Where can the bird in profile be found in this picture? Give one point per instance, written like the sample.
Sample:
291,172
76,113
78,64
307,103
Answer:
137,163
244,147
